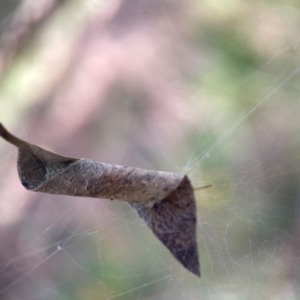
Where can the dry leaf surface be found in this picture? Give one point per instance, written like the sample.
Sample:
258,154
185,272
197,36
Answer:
165,201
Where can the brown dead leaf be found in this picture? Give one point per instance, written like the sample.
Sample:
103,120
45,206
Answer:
165,201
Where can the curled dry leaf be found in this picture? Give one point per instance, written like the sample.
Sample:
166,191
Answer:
165,201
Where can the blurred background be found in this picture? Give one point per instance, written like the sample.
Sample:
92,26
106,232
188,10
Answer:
207,88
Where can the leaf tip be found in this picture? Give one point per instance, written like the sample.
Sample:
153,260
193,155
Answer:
173,221
189,259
